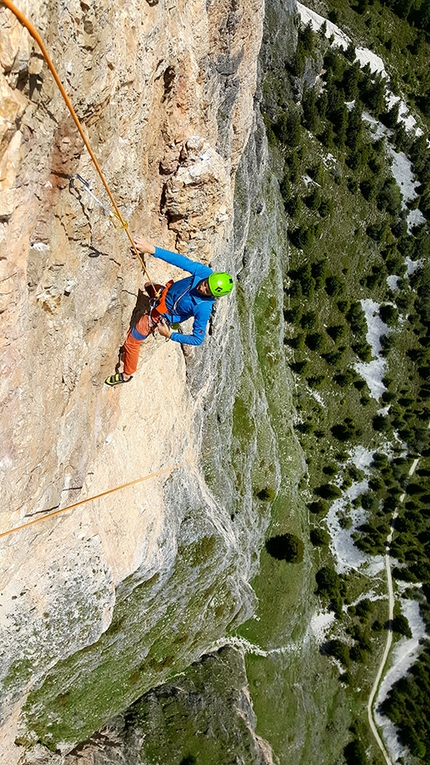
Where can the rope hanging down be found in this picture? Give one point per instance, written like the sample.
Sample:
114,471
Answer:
33,32
104,494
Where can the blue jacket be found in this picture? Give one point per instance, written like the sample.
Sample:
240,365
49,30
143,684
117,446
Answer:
183,300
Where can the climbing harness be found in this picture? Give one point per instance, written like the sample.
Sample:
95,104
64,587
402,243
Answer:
36,36
105,493
157,304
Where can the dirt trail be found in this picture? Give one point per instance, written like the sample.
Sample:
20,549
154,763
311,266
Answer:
389,632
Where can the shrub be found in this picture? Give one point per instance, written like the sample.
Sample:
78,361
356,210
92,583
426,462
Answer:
292,315
389,197
329,470
368,189
357,653
333,357
319,272
326,208
287,129
285,189
400,625
389,314
293,206
344,430
363,350
356,318
368,501
314,341
296,342
328,491
267,494
317,507
304,427
338,650
313,200
379,459
285,547
355,753
303,236
327,580
329,584
336,331
316,381
319,537
345,378
364,608
380,423
308,320
334,286
299,366
310,112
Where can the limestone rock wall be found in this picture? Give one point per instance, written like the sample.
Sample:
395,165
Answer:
164,91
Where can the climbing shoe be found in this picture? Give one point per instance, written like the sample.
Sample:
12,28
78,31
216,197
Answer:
117,379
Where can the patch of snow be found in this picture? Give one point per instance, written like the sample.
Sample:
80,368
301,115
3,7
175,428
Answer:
342,546
317,396
402,586
307,180
329,160
408,120
401,169
412,265
320,624
375,326
392,282
378,128
316,21
371,595
361,457
347,556
366,56
244,645
384,411
415,218
373,372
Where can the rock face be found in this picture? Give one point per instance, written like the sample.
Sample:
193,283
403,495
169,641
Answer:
101,603
204,715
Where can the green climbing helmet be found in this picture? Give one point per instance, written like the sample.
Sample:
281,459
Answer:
220,284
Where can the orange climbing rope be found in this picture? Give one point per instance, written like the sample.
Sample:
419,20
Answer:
33,32
103,494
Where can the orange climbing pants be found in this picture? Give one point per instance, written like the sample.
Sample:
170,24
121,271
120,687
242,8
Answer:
144,327
132,346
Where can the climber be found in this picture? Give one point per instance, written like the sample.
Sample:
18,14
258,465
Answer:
178,301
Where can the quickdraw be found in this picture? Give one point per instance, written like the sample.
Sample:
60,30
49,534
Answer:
87,188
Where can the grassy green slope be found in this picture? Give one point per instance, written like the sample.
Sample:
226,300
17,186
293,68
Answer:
347,235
